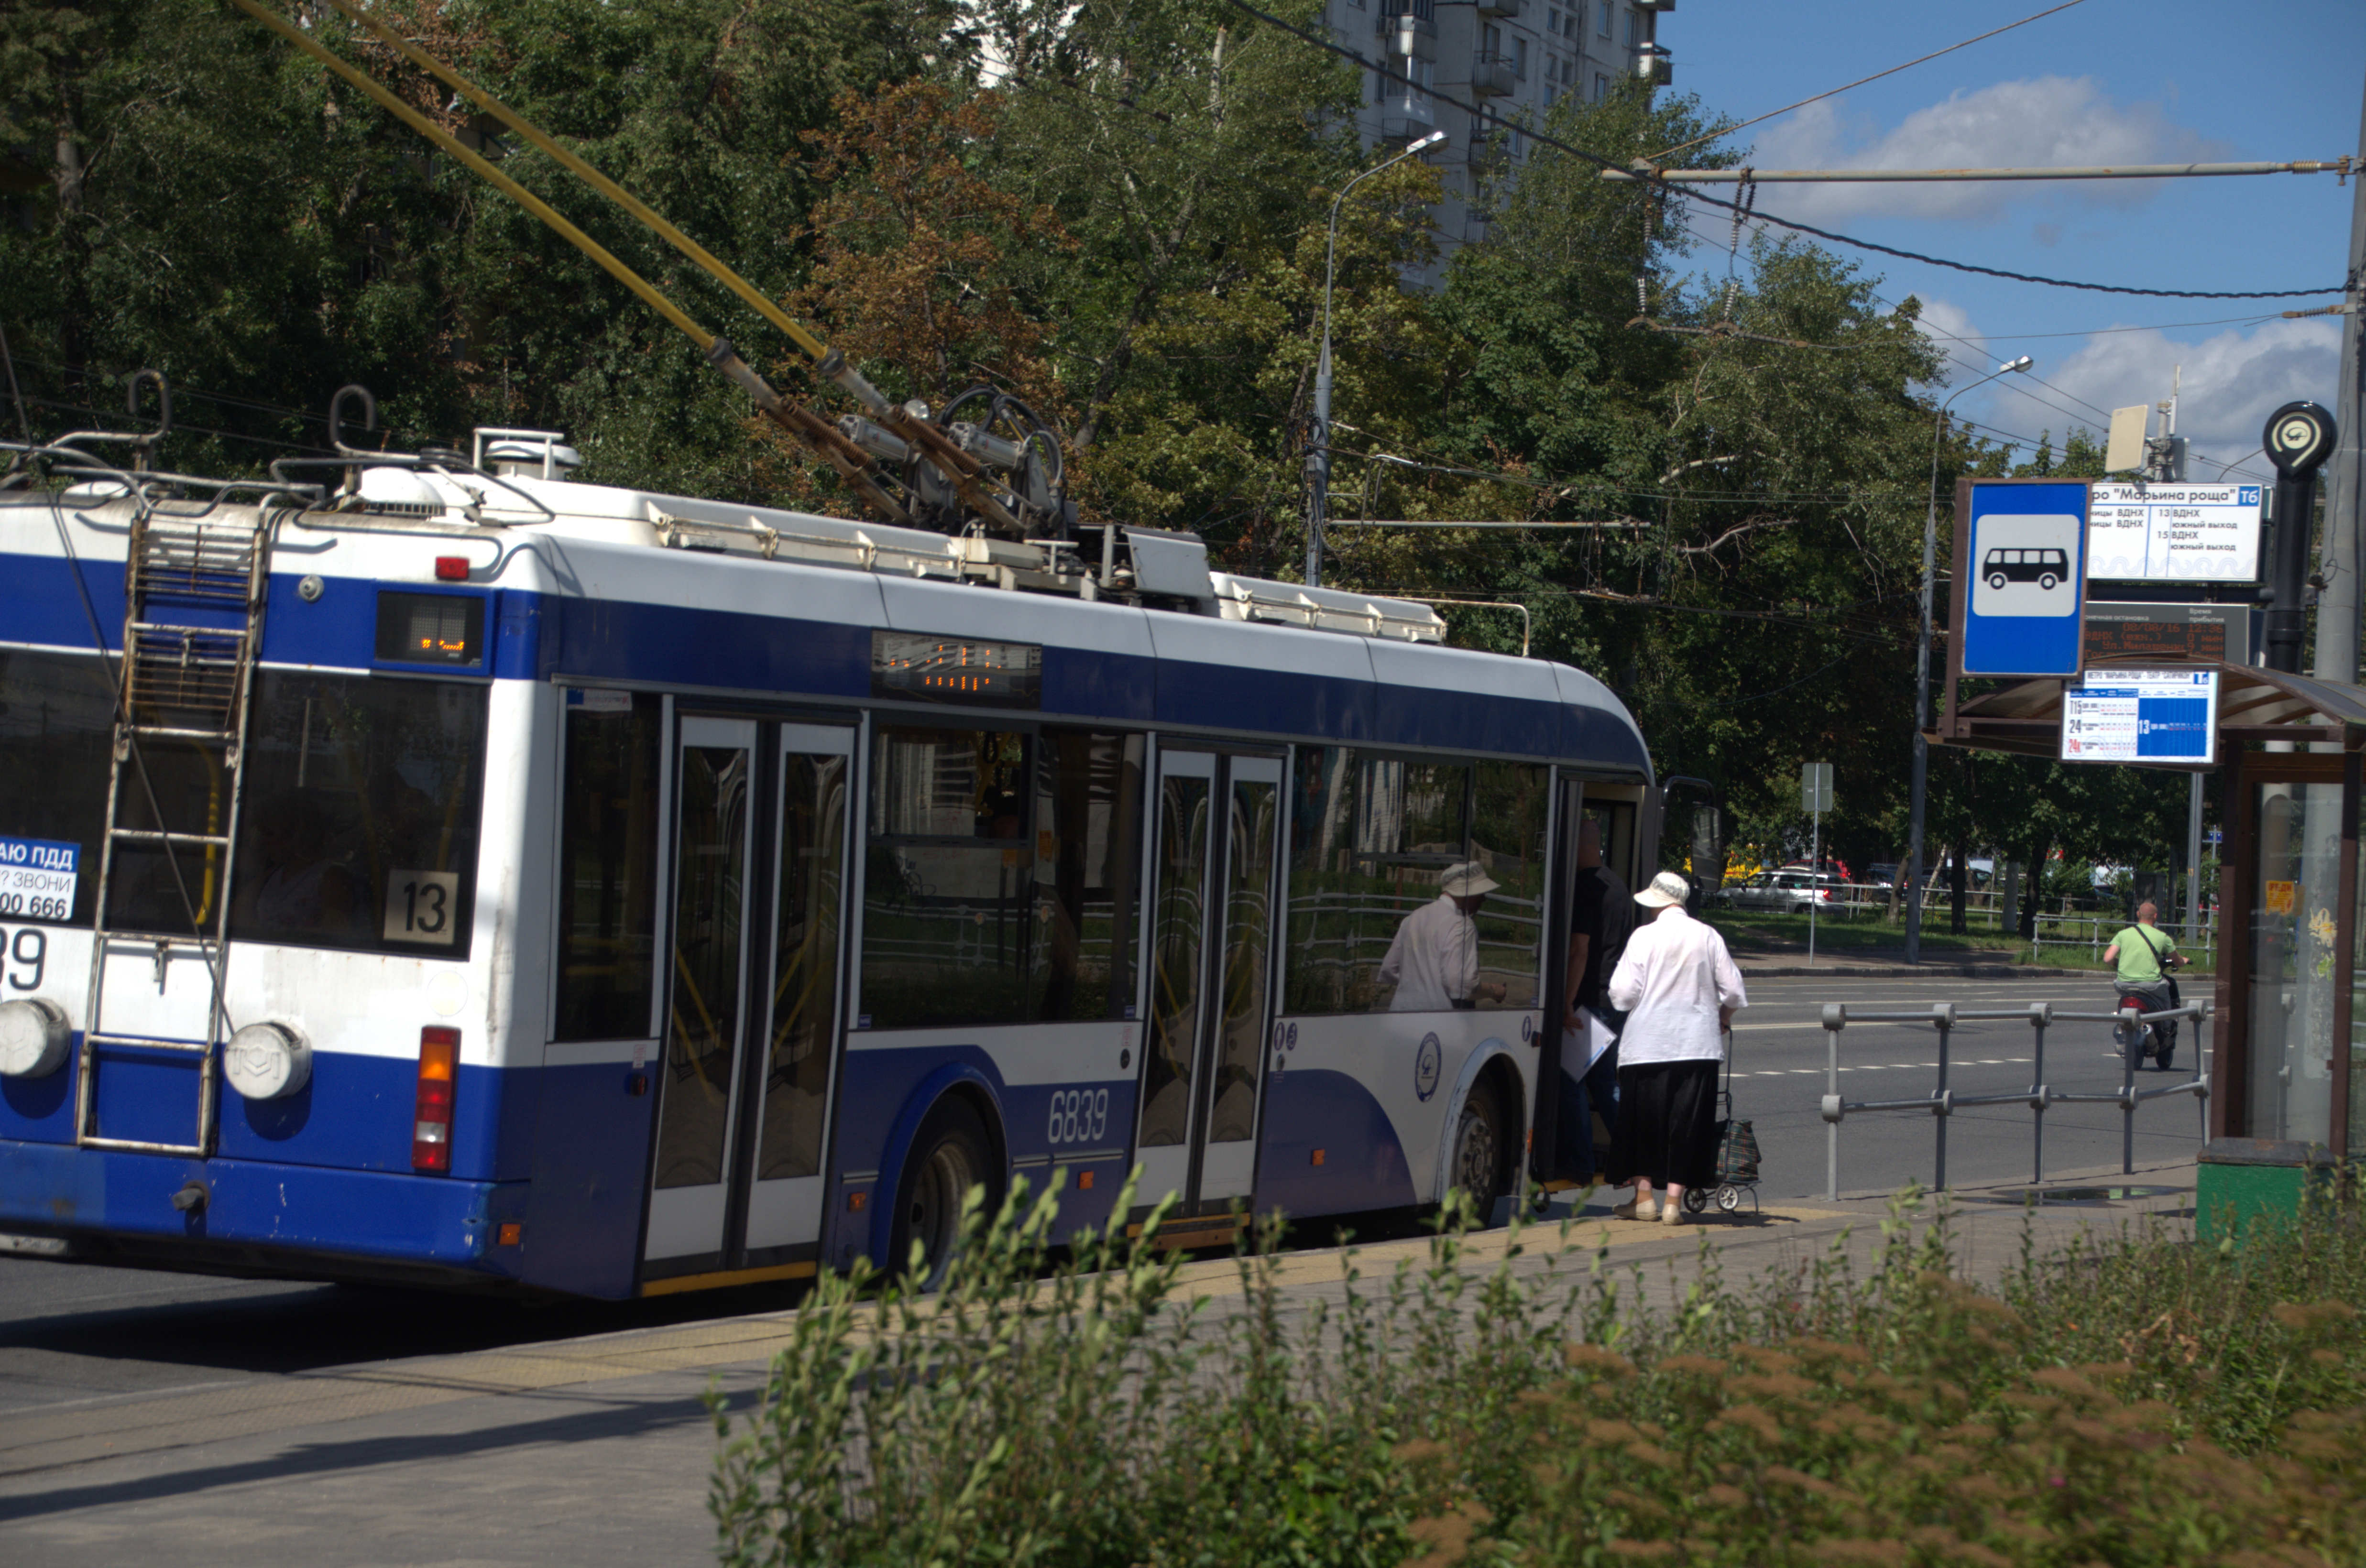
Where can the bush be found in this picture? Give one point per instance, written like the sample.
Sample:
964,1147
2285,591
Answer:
2133,1400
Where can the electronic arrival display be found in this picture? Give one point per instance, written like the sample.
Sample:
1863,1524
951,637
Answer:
922,667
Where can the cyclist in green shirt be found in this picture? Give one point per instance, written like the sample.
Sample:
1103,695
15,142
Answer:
2143,954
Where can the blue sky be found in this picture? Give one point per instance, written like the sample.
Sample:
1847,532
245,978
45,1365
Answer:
2107,80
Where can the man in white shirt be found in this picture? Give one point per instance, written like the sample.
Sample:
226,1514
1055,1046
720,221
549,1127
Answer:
1680,989
1434,962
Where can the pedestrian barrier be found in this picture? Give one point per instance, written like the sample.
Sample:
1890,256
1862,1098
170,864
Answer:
1943,1101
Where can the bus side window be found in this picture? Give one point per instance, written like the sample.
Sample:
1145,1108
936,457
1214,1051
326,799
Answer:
1087,858
1508,810
1369,837
607,869
948,901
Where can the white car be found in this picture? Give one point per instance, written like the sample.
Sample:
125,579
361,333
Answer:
1786,893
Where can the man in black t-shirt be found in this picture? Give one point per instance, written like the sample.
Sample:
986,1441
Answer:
1602,917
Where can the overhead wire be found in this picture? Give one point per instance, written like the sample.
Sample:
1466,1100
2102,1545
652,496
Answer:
1694,195
2014,385
1819,97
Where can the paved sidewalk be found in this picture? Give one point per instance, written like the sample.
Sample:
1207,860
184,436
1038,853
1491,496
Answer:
596,1450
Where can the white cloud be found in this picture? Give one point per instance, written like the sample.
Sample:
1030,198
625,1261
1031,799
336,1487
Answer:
2233,381
1962,345
2042,122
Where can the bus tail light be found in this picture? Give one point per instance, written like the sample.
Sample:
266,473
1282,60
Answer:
439,1073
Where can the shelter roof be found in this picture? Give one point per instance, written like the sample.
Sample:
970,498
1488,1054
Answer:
2253,704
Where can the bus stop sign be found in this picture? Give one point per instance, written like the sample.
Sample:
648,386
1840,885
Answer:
2021,576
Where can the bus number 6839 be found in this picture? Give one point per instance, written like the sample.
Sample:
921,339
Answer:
1078,1115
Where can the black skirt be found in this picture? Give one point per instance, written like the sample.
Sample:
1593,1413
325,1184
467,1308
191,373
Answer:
1667,1123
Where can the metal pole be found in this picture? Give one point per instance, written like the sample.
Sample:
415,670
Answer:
1815,871
2344,555
2193,865
1943,1016
2038,1012
2134,1041
1834,1018
1318,434
1921,771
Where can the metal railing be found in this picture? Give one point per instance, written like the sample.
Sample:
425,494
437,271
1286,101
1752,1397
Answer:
1942,1103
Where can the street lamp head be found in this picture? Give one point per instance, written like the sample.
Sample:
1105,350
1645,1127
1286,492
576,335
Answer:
1423,144
2023,362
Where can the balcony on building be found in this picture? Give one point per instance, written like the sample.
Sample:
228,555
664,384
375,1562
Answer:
1500,10
1409,34
1405,114
1491,75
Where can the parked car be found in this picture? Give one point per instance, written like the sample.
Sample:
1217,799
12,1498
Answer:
1881,874
1784,893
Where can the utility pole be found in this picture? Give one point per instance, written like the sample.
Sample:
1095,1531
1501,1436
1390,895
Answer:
2342,559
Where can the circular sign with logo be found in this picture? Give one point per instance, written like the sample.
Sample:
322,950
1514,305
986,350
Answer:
2299,437
1426,1062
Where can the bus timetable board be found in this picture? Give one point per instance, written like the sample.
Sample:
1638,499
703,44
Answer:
2158,716
2167,633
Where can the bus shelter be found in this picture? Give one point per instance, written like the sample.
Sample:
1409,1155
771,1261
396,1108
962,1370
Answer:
2284,1087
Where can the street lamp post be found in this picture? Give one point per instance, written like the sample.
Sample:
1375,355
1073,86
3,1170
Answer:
1922,673
1318,447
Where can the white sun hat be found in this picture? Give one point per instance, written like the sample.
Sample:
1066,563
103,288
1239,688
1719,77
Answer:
1667,888
1466,881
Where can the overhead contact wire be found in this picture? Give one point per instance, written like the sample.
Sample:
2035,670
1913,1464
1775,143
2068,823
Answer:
1600,162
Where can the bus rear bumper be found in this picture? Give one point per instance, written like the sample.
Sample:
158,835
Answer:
261,1218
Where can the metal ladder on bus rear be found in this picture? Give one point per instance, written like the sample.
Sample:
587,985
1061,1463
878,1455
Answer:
189,684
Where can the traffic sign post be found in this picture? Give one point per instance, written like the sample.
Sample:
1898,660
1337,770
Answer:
1816,795
2020,577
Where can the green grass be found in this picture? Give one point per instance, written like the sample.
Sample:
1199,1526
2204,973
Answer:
2135,1400
1748,930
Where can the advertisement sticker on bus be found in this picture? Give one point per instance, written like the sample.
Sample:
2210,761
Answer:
37,877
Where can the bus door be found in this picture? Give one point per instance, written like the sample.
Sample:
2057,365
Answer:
1210,966
760,824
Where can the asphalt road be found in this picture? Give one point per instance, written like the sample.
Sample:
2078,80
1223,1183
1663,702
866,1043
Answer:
71,1332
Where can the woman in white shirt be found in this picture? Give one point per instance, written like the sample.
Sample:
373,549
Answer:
1680,989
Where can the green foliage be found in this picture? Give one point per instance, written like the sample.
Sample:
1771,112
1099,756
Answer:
1132,208
2129,1400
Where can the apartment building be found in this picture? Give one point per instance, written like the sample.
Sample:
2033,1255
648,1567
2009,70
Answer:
1511,59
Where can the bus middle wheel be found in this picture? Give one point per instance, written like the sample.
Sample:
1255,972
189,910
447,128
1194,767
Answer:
949,1156
1477,1163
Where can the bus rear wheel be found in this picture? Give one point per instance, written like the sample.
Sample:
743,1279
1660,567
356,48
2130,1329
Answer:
951,1155
1478,1162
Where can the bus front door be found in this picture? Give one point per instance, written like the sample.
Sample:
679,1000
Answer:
1209,975
753,994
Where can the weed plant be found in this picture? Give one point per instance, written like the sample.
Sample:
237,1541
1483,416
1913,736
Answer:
2131,1400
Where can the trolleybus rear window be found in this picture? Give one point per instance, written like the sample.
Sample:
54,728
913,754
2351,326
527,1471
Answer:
56,714
358,825
1370,838
999,886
